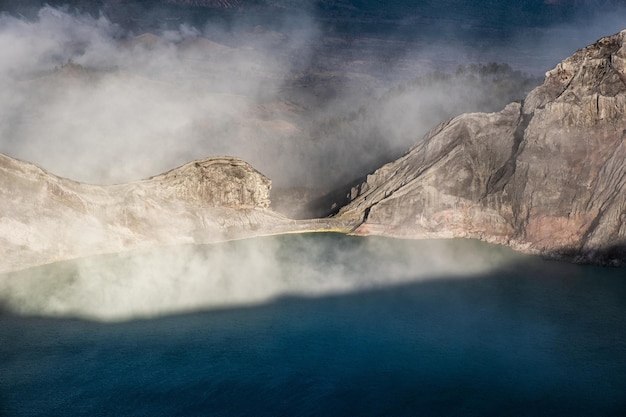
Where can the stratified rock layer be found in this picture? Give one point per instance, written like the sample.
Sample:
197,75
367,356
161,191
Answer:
546,176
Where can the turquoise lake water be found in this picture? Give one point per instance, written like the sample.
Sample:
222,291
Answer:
315,325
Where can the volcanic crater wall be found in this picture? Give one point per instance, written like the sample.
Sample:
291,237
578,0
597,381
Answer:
545,176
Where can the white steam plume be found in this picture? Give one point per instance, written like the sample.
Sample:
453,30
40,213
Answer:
183,279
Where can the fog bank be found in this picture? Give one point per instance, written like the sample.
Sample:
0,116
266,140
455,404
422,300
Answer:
101,102
183,279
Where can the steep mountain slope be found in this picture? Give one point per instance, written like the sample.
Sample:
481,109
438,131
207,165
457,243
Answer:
546,176
44,218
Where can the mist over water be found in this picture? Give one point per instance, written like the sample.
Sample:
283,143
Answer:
249,272
319,324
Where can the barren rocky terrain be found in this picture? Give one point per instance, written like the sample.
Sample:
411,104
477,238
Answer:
46,218
544,176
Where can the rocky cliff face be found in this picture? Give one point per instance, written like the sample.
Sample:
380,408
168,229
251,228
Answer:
44,218
545,176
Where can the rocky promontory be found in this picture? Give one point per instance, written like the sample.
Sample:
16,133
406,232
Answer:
545,176
45,218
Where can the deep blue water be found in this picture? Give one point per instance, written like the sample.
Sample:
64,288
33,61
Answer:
526,338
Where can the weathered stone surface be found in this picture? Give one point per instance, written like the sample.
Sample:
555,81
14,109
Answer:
44,218
547,176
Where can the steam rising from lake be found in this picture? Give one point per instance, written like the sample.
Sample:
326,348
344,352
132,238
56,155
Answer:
179,279
420,328
86,98
484,330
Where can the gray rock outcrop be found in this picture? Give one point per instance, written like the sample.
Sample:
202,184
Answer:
545,176
44,218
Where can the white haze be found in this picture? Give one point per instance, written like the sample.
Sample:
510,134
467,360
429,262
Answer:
237,274
148,103
144,104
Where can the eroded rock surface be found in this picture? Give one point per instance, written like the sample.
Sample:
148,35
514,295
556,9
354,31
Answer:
44,218
546,176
